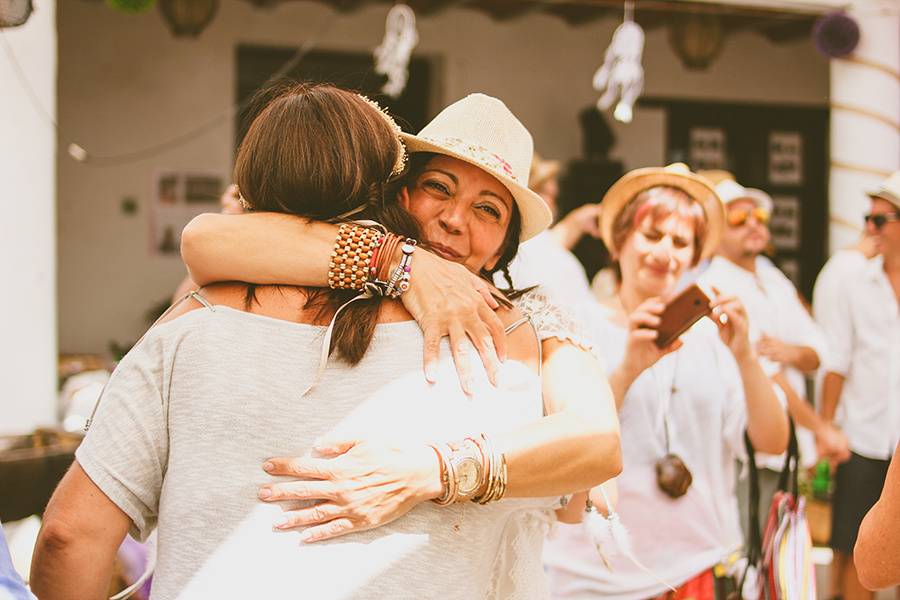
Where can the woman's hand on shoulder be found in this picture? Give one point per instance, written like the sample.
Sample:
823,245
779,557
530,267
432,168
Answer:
446,299
360,485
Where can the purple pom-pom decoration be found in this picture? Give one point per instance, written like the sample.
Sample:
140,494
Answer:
836,35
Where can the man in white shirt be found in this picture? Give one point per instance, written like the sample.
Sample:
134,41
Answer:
861,389
546,260
789,343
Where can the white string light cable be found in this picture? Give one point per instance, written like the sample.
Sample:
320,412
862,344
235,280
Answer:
80,154
392,56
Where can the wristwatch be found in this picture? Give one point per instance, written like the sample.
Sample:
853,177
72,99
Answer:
468,467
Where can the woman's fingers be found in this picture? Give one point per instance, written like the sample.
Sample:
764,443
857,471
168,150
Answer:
329,530
313,515
641,318
485,347
496,330
305,467
432,334
299,490
459,346
333,447
488,296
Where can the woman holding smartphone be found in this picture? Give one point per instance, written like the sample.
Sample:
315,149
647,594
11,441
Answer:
683,408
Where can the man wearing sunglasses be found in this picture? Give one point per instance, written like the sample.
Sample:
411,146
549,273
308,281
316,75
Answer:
789,342
861,388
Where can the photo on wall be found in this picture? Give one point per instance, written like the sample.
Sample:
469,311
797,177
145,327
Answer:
178,197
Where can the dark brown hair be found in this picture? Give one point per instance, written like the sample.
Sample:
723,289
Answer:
318,151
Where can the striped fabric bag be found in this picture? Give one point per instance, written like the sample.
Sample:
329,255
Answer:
780,559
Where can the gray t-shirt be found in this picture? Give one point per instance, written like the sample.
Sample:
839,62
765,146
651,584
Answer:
192,412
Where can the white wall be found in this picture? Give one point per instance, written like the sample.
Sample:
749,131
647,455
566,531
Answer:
27,230
125,82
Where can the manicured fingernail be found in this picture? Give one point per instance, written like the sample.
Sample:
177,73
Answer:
265,493
267,466
430,375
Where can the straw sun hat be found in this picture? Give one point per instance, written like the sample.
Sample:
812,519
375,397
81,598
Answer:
730,191
678,176
481,131
889,189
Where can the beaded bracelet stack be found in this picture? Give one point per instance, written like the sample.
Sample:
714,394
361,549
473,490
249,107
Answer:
470,467
361,260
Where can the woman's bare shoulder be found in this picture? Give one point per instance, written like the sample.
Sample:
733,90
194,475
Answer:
229,294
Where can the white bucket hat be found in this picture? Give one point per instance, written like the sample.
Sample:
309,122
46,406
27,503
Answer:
480,130
730,191
889,189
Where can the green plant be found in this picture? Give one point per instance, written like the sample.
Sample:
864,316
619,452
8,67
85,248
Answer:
131,6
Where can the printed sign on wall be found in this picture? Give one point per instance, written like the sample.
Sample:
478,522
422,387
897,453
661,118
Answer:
707,148
785,158
178,198
785,222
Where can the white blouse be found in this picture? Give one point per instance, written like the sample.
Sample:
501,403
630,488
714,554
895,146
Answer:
676,539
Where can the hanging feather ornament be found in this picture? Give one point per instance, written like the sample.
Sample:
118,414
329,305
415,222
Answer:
392,56
611,537
621,75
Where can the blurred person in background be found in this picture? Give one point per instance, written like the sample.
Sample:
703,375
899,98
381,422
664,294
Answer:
828,292
547,260
861,386
683,409
789,343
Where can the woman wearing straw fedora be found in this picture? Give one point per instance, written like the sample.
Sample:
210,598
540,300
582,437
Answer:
201,407
466,187
683,408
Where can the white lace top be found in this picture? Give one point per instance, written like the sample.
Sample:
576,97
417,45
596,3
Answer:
551,320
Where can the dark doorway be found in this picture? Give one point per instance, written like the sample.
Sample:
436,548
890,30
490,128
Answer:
350,70
780,149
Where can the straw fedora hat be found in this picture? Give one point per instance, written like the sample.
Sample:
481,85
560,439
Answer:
480,130
715,176
678,176
730,191
889,189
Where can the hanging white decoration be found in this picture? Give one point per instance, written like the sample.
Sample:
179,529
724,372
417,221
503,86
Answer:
621,75
392,56
611,537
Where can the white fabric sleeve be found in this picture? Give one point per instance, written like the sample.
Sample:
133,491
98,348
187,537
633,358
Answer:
836,321
126,449
805,331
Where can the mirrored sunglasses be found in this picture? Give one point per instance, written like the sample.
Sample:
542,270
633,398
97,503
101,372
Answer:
739,216
879,221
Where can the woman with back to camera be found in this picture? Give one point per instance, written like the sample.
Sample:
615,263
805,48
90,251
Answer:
461,174
683,409
208,396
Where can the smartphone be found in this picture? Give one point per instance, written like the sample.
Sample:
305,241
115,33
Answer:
680,313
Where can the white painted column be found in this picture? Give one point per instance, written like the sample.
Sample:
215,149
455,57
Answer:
865,122
28,224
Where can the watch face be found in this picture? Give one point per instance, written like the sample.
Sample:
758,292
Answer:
469,475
